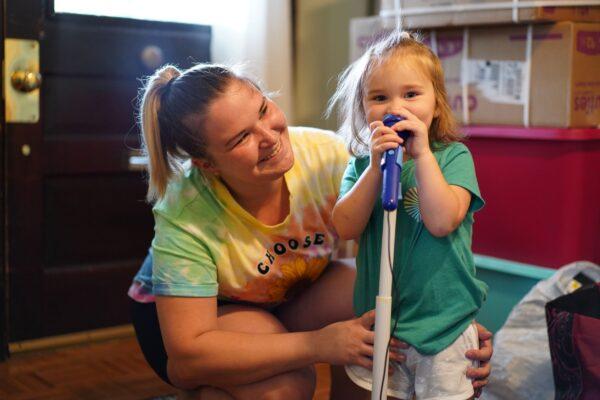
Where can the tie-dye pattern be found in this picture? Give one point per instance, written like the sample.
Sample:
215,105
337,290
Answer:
206,244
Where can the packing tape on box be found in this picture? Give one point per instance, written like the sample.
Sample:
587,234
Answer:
527,73
466,75
464,80
398,7
434,46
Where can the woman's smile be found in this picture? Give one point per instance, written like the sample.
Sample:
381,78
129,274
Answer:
273,153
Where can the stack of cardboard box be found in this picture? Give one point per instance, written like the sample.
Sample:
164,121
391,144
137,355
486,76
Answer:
513,65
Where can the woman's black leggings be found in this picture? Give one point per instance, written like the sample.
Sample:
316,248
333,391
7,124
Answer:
147,331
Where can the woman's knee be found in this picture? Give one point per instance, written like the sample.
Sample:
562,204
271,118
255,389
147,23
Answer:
176,378
299,384
204,393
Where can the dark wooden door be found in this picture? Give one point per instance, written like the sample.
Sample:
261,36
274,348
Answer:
77,223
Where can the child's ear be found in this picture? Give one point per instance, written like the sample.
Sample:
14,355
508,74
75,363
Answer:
204,165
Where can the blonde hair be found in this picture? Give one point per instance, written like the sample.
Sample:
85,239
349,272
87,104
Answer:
172,108
348,97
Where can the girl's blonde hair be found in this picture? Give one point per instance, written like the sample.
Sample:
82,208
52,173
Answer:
348,97
173,106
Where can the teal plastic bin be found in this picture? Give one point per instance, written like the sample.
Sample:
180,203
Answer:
509,281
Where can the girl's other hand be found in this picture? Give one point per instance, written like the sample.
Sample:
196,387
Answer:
418,142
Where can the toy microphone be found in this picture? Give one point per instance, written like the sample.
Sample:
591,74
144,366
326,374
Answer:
391,165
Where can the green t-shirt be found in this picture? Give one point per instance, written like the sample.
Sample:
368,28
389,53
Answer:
435,294
206,244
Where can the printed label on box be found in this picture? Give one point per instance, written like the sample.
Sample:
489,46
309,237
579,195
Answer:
587,102
498,81
446,46
588,42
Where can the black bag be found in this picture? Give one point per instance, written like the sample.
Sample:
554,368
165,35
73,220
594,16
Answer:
574,339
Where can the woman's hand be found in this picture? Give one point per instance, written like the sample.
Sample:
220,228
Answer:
483,355
383,138
351,342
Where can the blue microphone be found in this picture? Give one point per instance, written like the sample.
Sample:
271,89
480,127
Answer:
391,165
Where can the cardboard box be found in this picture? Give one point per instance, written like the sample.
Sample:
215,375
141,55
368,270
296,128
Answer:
442,13
564,88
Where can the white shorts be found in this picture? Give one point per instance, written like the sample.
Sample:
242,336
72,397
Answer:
439,376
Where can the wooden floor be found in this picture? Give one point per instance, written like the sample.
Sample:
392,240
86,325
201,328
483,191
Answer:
114,370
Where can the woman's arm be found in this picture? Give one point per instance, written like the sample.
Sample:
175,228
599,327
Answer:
442,206
199,353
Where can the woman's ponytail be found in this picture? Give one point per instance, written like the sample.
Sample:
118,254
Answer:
161,165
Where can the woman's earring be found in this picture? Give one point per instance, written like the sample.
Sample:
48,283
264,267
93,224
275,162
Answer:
205,165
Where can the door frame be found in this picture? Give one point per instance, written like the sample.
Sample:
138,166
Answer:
21,177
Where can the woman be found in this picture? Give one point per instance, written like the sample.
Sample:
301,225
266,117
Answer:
246,296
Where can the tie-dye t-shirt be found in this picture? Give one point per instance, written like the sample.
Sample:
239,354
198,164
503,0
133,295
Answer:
206,244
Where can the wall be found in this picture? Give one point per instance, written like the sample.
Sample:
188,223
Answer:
321,53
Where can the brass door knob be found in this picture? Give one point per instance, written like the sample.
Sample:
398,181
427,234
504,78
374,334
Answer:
26,81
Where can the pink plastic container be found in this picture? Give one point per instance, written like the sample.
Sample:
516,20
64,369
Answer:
542,192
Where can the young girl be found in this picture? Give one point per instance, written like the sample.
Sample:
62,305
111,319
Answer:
436,295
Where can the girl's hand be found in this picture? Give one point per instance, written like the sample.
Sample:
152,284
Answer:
483,355
418,142
351,342
383,138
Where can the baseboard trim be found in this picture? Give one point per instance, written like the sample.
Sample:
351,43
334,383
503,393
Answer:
71,339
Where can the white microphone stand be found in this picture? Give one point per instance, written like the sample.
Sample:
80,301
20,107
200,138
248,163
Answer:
383,308
390,197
